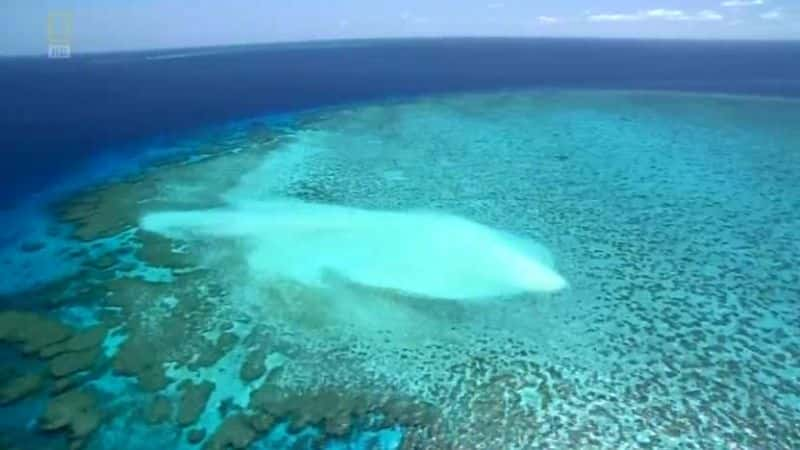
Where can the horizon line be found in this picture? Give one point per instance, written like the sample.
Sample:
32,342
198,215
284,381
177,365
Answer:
364,40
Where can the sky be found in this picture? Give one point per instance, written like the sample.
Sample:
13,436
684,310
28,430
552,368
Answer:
111,25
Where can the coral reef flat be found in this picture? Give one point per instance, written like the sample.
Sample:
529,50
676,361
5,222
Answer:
675,218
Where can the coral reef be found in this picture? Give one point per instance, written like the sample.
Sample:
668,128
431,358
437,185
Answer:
75,413
159,411
261,422
106,211
83,340
682,337
20,387
158,251
254,365
68,363
138,357
196,436
194,397
31,332
213,352
335,411
235,432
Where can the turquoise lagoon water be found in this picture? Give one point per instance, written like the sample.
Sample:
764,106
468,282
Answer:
673,217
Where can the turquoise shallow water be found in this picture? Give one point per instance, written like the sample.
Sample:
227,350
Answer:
674,217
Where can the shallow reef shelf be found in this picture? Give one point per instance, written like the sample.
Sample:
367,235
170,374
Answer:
674,217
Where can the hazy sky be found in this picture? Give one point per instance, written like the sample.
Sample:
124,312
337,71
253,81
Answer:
100,25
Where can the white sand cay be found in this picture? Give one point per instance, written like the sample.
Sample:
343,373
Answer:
418,252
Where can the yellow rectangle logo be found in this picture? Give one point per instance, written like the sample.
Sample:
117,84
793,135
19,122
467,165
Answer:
59,34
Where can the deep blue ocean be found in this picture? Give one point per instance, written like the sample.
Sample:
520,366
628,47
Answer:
55,115
450,244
